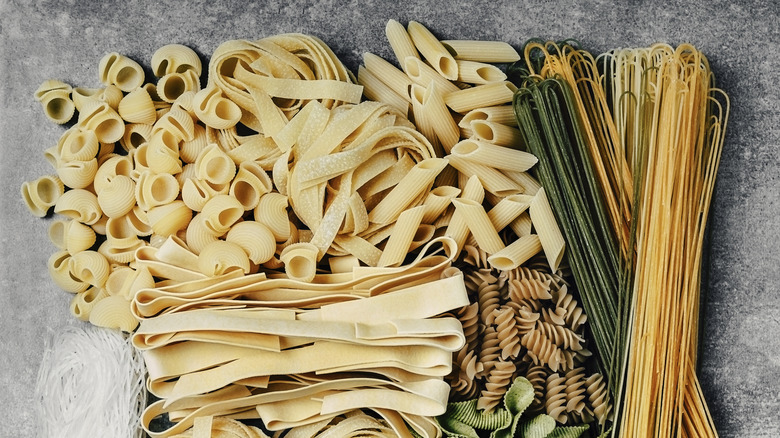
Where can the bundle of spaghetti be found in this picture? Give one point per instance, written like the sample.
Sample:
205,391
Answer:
90,383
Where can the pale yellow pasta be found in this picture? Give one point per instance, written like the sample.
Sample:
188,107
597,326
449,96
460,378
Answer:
375,89
221,257
423,74
137,107
55,100
140,159
472,72
215,110
50,85
422,119
113,312
494,93
72,235
492,155
119,70
168,219
110,168
99,117
251,182
186,101
79,204
171,86
162,153
432,50
215,166
111,95
59,267
256,240
82,303
80,95
100,225
52,156
400,241
482,51
135,135
300,261
221,212
440,118
155,189
189,150
271,211
389,74
198,235
175,58
504,114
413,184
43,193
78,145
196,193
118,197
120,234
492,179
547,228
77,174
178,122
105,151
138,221
126,281
497,133
478,223
516,253
437,201
400,42
529,184
90,267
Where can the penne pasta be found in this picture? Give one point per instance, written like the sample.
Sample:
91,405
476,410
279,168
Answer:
375,89
503,114
547,228
498,134
478,223
400,241
507,210
439,117
495,156
457,229
437,201
472,72
482,51
423,74
389,74
516,253
432,50
416,182
492,179
494,93
528,183
400,42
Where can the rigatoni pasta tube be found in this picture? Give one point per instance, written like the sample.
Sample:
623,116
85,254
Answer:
547,229
494,93
410,187
478,222
492,155
482,51
432,50
516,253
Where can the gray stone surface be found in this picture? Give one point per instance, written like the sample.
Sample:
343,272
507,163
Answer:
740,357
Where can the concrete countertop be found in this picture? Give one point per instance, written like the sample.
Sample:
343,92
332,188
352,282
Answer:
740,358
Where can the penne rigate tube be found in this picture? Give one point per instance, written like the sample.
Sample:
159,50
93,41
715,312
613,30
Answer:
482,51
494,93
516,253
389,74
403,234
400,42
478,73
547,228
478,223
432,50
492,155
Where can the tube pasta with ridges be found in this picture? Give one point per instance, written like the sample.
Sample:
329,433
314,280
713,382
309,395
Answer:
423,74
400,42
413,184
507,210
432,50
389,74
457,229
492,179
516,253
478,223
493,155
503,114
497,133
479,73
400,241
547,228
440,118
494,93
482,51
375,89
437,201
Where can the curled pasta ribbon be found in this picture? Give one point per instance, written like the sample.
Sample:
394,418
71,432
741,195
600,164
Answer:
41,194
119,70
209,426
300,261
99,117
137,107
54,97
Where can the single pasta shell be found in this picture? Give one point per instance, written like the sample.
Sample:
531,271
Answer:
59,266
91,267
173,85
121,256
300,261
155,189
41,194
138,221
72,235
51,85
198,236
113,312
82,303
78,174
215,166
57,232
185,102
79,204
80,95
178,122
221,212
136,134
112,95
112,167
137,107
79,145
57,106
191,149
221,257
119,70
255,239
170,218
162,153
175,58
101,118
118,197
120,234
214,110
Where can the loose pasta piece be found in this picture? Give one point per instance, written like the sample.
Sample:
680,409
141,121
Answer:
175,58
271,211
198,236
119,70
41,194
497,133
547,228
493,155
251,182
417,181
423,74
59,266
172,86
457,228
478,222
54,97
118,198
507,210
162,152
153,189
79,204
478,73
113,312
111,96
440,118
77,174
170,218
255,238
400,42
437,201
120,234
78,145
178,122
375,89
110,168
400,241
389,74
482,51
196,193
504,114
215,166
80,95
189,150
82,303
432,50
99,117
214,110
494,93
90,267
300,261
516,253
72,236
137,107
221,257
221,212
492,179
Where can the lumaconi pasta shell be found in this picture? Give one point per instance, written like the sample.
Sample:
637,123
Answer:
120,233
112,167
77,174
113,311
251,182
78,145
255,239
173,85
214,110
136,134
118,198
50,85
119,70
41,194
57,106
79,204
170,218
80,95
72,235
126,281
178,122
123,255
215,166
271,211
220,257
138,221
191,149
137,107
162,153
82,303
91,267
221,212
300,261
175,58
112,96
185,102
59,266
155,189
100,117
196,193
198,236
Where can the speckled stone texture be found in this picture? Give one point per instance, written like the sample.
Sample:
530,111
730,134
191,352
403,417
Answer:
740,348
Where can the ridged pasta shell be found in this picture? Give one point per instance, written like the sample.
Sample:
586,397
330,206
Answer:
255,239
170,218
80,95
213,109
57,232
221,257
79,204
300,261
171,86
111,95
198,236
52,156
138,221
78,174
215,166
113,312
123,255
178,122
57,106
185,102
251,182
175,58
105,152
91,267
136,134
59,266
162,153
100,117
155,189
118,197
41,194
111,168
137,107
190,150
100,225
221,212
271,211
82,303
79,145
72,235
119,70
51,85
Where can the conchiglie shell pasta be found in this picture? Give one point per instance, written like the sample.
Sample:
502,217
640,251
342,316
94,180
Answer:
112,167
300,261
59,266
111,95
215,166
190,150
138,221
119,70
196,193
120,233
80,95
168,219
82,303
118,198
91,267
251,182
213,109
162,153
155,189
72,235
113,312
198,236
103,120
57,106
221,257
221,212
271,211
137,107
50,85
41,194
175,58
78,145
79,204
178,122
255,239
136,134
173,85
